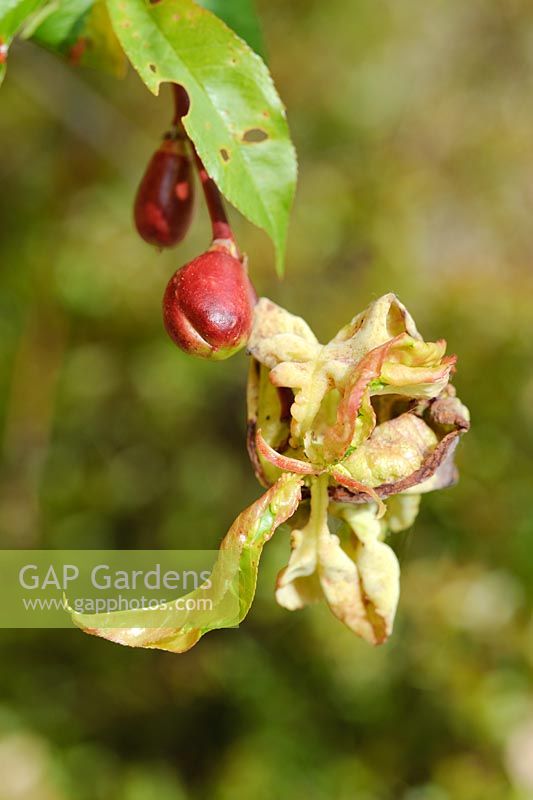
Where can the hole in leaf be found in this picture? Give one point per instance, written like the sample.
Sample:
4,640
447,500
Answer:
254,135
224,154
152,67
181,100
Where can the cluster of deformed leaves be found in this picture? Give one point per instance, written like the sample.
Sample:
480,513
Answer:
372,421
358,429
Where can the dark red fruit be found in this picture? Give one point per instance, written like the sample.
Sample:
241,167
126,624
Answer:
164,202
208,305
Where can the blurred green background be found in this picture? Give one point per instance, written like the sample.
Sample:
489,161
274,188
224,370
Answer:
414,128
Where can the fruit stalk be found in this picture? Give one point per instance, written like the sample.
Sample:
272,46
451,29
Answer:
222,233
215,205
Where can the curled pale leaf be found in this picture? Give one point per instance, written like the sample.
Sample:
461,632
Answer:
402,510
383,320
285,344
415,369
394,450
226,597
378,568
357,575
299,583
278,335
447,419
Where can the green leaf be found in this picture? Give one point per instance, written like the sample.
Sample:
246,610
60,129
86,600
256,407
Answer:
60,28
240,16
103,50
231,589
236,119
37,18
13,14
81,30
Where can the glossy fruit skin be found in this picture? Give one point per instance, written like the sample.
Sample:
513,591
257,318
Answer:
208,306
165,198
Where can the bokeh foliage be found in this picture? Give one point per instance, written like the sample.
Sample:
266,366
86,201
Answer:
415,142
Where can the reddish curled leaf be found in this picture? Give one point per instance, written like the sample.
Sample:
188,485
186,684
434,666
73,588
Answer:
339,437
284,463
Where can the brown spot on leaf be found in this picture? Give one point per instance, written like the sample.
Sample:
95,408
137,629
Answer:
224,154
254,136
152,67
